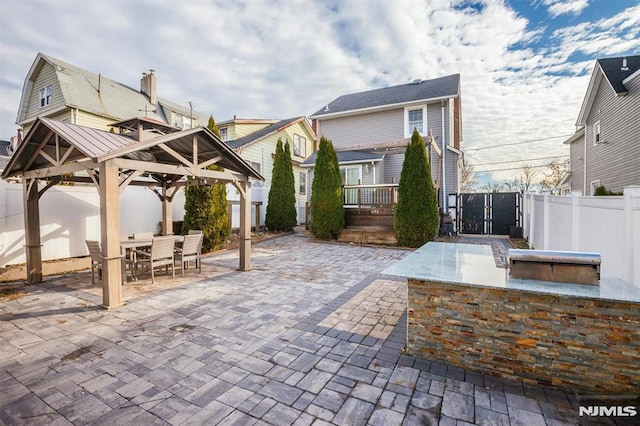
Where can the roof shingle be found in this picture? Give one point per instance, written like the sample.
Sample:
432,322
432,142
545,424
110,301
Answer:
612,68
416,91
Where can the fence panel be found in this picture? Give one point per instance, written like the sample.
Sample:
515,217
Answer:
606,225
69,215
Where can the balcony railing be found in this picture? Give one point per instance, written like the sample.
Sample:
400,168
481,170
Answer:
370,195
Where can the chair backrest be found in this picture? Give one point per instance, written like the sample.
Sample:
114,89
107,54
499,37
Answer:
192,244
195,231
162,247
143,235
95,251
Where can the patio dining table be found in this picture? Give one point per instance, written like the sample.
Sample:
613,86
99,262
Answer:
128,248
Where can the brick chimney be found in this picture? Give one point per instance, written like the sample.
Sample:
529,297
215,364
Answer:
148,86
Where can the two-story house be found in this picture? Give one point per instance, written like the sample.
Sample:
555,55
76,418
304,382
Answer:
370,131
255,141
61,91
605,150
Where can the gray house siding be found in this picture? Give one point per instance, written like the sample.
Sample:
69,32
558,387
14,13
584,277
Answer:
365,129
614,161
393,168
434,122
380,172
451,176
576,154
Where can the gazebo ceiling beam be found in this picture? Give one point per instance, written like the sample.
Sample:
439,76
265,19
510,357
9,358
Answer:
177,169
175,155
63,169
40,146
207,163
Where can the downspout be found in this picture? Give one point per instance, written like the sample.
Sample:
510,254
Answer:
584,161
444,161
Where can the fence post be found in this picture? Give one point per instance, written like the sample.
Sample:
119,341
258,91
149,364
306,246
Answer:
545,222
532,218
575,220
629,232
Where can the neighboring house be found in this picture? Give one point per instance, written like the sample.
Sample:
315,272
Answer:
58,90
4,149
5,155
605,150
371,129
255,141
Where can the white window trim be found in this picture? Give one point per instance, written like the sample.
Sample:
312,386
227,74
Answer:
407,131
304,191
599,141
46,93
358,166
594,185
302,145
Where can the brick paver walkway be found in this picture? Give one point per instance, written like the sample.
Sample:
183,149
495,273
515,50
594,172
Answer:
312,335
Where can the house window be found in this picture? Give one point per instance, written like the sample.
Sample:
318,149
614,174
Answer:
299,145
594,185
351,175
303,183
596,133
415,118
256,166
45,96
223,133
186,122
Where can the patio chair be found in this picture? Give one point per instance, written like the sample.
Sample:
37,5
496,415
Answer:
142,235
95,251
160,254
190,250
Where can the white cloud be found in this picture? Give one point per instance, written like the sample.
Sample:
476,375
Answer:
279,59
560,7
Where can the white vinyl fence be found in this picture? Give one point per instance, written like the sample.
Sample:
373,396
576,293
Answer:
607,225
69,215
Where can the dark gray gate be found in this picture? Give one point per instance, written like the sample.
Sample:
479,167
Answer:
489,213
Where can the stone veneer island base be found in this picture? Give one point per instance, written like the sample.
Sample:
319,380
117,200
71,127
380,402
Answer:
464,311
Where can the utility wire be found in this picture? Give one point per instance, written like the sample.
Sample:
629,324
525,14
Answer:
516,161
511,168
519,143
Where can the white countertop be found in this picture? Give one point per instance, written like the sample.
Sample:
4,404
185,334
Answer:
473,264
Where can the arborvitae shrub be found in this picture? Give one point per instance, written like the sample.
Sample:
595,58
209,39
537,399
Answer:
327,211
416,214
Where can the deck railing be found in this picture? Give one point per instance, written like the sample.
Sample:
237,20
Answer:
370,195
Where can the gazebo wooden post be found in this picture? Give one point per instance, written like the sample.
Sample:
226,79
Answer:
244,187
110,227
167,214
33,246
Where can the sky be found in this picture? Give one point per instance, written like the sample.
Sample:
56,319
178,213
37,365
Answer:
524,65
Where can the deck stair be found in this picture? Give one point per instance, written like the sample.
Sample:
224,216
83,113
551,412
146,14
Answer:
368,235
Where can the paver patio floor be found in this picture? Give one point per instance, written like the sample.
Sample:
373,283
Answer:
313,334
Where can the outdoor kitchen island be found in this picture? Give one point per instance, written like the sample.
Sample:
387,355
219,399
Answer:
466,312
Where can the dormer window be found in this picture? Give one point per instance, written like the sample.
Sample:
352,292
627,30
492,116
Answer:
223,133
299,145
45,96
596,133
414,118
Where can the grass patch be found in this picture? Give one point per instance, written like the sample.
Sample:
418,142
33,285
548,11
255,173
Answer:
77,353
11,292
520,244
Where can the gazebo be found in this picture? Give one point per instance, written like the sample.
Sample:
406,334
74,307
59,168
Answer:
143,153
